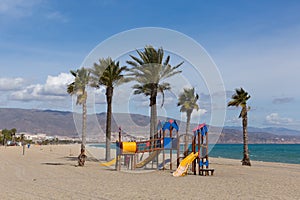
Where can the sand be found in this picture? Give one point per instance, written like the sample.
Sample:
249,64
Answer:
49,172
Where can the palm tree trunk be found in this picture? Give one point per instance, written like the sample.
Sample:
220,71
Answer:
246,159
153,117
109,95
153,121
84,118
188,121
82,156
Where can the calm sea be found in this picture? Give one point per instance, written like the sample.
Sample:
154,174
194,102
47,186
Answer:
283,153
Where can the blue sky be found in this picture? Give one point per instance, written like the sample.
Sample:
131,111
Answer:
255,44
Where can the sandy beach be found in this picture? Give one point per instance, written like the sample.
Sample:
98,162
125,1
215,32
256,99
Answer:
49,172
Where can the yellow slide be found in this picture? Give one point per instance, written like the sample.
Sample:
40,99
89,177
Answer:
184,164
109,163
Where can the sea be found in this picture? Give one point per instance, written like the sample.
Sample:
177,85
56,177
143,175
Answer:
281,153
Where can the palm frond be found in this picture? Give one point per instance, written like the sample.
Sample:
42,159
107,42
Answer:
240,98
78,87
149,71
108,73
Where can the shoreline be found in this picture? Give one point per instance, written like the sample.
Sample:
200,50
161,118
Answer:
49,172
253,157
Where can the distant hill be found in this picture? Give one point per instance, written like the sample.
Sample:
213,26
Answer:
272,130
38,121
63,124
257,136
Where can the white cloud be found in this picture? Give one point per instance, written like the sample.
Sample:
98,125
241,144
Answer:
54,89
100,97
7,84
56,85
275,119
196,115
29,93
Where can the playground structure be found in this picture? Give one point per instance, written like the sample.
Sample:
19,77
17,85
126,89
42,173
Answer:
197,154
200,145
165,141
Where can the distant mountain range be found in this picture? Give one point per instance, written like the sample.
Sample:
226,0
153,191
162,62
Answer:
64,124
272,130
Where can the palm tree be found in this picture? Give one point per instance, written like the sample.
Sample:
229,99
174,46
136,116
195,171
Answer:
7,136
150,71
108,73
78,88
188,102
240,98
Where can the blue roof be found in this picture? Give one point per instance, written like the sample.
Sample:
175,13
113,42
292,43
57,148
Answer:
170,124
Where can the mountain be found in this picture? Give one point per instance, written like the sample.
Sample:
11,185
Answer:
272,130
38,121
64,124
257,136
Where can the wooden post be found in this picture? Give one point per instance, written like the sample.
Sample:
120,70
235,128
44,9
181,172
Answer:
120,130
171,130
118,151
23,149
119,162
206,146
202,158
199,151
194,151
163,146
178,148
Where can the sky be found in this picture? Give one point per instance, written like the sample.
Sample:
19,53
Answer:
254,45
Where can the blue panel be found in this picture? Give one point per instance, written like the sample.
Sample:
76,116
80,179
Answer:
203,132
201,164
167,143
118,148
205,129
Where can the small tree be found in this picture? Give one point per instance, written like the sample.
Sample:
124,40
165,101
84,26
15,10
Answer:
188,102
240,98
7,136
